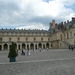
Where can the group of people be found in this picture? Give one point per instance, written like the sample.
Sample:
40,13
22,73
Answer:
71,48
24,52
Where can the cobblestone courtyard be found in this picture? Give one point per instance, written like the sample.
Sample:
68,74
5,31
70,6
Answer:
52,62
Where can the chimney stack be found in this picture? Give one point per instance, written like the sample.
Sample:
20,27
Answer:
73,18
64,22
53,24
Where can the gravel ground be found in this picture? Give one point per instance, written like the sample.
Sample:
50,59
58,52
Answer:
52,62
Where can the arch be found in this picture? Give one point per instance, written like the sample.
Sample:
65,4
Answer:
40,45
16,45
31,46
5,46
43,46
35,46
27,46
47,45
23,46
19,47
0,47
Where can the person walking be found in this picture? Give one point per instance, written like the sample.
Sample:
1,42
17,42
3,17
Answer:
72,48
47,48
28,52
24,51
69,47
40,49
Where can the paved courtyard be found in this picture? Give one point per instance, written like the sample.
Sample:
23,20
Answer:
52,62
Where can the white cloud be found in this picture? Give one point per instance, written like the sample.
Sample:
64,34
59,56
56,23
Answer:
22,12
34,26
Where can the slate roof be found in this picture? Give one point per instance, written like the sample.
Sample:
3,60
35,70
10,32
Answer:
70,24
23,30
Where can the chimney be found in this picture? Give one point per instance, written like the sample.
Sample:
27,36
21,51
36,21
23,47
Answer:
73,18
62,27
56,25
64,22
53,24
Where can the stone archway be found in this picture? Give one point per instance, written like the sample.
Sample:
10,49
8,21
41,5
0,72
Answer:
43,46
35,46
40,45
5,46
47,45
0,47
23,46
31,46
19,47
27,46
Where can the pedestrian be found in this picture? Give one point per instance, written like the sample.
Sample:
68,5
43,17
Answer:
69,47
34,49
72,48
40,49
24,51
28,52
47,49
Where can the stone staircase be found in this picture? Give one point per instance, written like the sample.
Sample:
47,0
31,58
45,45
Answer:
64,44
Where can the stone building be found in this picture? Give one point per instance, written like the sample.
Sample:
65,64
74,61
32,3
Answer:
58,36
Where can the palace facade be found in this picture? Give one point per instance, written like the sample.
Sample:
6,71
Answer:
58,36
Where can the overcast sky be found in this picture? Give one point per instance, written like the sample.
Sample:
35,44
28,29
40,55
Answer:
34,14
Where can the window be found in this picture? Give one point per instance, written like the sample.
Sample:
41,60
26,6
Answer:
9,39
74,34
18,39
70,34
34,39
28,32
41,39
26,39
51,45
0,39
36,32
67,35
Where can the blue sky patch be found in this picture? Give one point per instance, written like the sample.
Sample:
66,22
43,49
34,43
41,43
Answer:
71,6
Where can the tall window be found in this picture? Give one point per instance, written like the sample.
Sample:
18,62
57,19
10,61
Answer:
0,39
51,45
70,34
41,39
67,35
74,34
18,39
9,39
26,39
34,39
61,36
